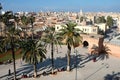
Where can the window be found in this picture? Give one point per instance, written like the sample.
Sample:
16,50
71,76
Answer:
94,30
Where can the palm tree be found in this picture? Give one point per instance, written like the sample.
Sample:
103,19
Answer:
102,51
33,53
11,35
33,50
71,37
50,37
24,20
5,19
11,40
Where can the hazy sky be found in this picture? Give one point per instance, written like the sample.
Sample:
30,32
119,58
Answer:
61,5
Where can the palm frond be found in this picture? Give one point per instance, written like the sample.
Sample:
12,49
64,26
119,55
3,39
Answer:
71,34
103,54
33,51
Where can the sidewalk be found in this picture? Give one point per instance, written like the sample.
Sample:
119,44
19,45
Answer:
86,70
89,71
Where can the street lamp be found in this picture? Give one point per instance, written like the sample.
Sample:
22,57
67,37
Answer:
75,51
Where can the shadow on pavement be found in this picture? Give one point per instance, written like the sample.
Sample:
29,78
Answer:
112,76
59,63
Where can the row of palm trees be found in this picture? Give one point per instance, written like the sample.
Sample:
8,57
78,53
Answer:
34,50
11,40
10,37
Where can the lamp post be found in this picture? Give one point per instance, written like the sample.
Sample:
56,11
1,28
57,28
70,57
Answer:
75,51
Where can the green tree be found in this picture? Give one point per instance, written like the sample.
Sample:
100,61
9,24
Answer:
11,35
11,39
33,52
25,21
109,21
100,20
0,6
0,12
103,19
77,17
81,19
5,19
71,37
50,37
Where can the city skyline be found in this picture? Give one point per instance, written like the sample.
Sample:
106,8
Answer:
61,5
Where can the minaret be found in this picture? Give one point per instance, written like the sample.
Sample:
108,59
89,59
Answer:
81,13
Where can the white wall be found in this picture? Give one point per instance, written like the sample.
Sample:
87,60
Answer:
89,29
86,29
101,26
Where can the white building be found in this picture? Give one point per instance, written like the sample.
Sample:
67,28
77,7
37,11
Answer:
118,24
102,26
88,29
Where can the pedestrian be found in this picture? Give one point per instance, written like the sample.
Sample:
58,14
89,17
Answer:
9,72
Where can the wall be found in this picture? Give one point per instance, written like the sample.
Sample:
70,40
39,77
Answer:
115,50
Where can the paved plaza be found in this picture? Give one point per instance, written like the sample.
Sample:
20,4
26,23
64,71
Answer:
86,68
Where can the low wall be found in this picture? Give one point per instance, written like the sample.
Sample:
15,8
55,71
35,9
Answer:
115,50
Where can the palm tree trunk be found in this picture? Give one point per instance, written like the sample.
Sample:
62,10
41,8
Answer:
13,56
68,58
35,70
100,44
52,57
25,37
35,67
105,30
5,31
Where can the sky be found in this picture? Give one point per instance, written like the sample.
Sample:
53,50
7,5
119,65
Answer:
61,5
